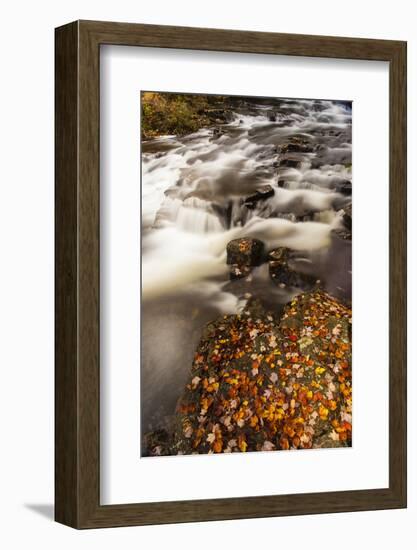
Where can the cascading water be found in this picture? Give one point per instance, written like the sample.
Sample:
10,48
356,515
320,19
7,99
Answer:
195,193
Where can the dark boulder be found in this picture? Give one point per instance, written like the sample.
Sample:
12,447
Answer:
245,252
220,116
261,194
344,187
283,275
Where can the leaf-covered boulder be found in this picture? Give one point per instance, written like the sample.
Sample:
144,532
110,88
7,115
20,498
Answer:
242,255
245,251
259,383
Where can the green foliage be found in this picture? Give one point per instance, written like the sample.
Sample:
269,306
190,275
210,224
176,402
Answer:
179,114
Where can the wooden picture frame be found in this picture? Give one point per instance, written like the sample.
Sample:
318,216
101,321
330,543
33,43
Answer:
77,405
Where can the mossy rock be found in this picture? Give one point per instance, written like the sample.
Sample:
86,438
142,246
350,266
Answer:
260,384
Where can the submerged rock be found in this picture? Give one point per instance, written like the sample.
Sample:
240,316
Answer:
260,384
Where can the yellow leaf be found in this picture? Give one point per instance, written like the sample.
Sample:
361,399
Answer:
323,412
242,443
254,420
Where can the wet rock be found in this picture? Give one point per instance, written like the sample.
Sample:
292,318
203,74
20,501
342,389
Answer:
344,187
327,441
245,252
345,232
308,217
272,116
220,116
297,145
217,132
319,106
289,161
239,271
280,254
332,155
269,153
261,194
157,443
342,233
347,216
283,275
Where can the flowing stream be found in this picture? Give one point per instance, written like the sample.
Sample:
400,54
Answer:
194,190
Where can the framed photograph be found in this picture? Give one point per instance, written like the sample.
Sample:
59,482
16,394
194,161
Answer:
230,274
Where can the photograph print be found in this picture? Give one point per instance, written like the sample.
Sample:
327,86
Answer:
246,255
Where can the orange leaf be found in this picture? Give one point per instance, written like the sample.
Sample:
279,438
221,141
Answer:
218,445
